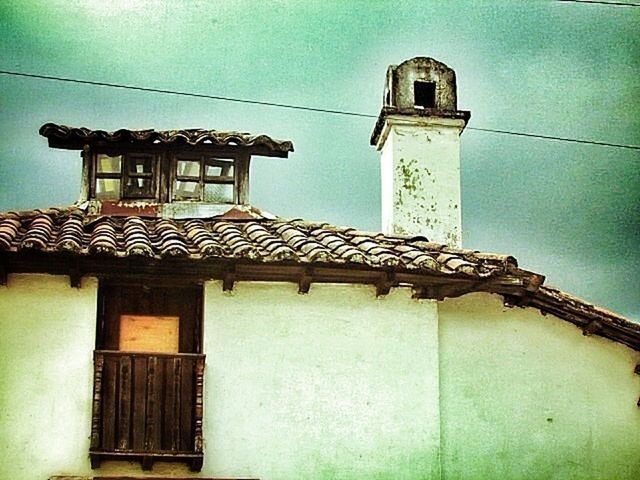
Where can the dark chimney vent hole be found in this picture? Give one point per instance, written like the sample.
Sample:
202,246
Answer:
424,94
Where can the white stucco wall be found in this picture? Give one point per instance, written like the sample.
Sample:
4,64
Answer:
420,177
47,335
335,384
527,396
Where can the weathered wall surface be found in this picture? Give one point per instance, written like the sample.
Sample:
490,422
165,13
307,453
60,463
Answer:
47,335
528,396
420,178
334,384
337,384
422,68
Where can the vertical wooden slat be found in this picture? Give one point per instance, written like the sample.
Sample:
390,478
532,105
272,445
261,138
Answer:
169,405
124,402
177,404
147,403
150,407
96,414
159,401
186,410
198,410
139,403
109,404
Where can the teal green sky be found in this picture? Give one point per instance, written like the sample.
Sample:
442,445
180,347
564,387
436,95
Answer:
571,212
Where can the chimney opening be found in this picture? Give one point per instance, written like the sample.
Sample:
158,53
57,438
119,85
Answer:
424,94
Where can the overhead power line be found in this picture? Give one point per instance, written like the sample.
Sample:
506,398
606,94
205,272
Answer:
560,139
296,107
602,2
184,94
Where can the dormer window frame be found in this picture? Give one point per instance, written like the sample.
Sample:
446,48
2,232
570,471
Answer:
163,174
162,145
225,161
132,182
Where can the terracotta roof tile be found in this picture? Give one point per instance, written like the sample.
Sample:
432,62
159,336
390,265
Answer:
202,239
39,234
8,232
71,231
103,239
136,237
236,244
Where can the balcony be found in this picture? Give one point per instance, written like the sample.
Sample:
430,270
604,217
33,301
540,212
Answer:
147,407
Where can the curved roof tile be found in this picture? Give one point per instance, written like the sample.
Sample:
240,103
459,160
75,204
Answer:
71,230
75,137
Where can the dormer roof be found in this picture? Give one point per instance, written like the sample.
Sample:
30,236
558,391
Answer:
75,138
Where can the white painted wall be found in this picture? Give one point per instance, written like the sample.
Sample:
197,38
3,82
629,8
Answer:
47,335
335,384
420,177
528,396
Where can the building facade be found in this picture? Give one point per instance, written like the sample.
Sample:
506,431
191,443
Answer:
164,327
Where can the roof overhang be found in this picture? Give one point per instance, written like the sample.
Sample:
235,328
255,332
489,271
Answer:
70,242
71,138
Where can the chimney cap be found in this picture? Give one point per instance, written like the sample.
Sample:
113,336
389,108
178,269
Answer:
420,86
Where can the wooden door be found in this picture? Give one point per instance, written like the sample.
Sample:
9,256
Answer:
149,319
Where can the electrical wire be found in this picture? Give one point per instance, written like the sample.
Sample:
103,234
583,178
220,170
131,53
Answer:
601,2
297,107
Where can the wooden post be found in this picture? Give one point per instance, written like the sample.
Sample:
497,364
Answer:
85,181
98,366
149,444
199,401
124,402
177,404
242,178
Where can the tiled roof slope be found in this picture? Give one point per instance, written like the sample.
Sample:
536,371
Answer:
71,230
70,137
71,233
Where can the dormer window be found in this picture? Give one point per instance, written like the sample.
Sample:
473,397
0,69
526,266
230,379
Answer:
149,170
125,176
203,178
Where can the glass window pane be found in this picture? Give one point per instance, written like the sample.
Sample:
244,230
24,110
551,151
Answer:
107,188
107,164
187,190
141,164
139,188
189,168
219,169
218,192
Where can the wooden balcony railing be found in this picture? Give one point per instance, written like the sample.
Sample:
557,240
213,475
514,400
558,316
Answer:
147,406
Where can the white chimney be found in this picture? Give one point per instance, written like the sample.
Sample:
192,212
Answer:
418,136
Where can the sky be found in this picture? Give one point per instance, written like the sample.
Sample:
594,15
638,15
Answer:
568,211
